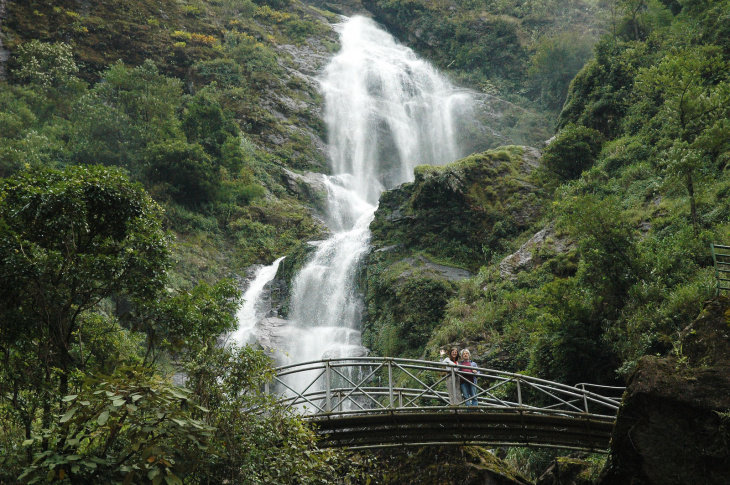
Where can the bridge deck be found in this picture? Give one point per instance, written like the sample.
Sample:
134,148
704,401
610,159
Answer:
464,426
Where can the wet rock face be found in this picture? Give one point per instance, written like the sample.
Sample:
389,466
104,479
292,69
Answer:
673,427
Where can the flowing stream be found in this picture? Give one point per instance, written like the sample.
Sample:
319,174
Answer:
386,111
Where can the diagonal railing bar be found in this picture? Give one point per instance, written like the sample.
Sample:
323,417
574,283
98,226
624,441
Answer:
306,388
540,387
428,388
358,385
300,394
294,400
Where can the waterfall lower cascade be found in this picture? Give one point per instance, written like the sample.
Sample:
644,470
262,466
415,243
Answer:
254,307
386,111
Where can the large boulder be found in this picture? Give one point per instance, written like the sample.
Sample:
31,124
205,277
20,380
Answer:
674,423
463,212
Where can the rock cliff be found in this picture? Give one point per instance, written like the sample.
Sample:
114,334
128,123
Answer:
674,424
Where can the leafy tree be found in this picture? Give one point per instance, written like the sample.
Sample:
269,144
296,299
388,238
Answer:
249,446
45,65
146,96
258,60
555,63
131,427
101,133
694,90
205,123
50,70
607,243
68,240
189,175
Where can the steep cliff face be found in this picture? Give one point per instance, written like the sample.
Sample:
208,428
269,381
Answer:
432,233
673,426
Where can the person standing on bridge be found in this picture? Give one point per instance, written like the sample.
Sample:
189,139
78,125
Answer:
451,379
468,378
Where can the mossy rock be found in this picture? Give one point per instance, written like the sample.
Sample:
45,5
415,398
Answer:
461,213
406,300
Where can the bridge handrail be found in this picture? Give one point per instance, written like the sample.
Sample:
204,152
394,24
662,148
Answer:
492,407
571,394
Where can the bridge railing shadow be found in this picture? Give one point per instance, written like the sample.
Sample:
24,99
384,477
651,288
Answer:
379,384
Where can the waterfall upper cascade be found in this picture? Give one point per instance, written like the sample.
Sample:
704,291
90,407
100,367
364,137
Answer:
386,111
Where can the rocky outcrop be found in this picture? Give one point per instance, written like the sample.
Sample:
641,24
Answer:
567,471
429,234
309,186
462,212
525,257
674,423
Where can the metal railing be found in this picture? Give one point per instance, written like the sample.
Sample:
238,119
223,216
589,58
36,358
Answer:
342,394
721,261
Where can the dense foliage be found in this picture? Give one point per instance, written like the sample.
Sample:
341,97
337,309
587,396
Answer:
638,176
89,337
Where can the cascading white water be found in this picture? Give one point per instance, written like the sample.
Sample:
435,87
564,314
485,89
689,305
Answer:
386,112
253,309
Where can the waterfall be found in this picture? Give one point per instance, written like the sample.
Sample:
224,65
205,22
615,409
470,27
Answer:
254,306
386,111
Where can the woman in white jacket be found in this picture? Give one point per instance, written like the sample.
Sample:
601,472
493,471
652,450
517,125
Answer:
452,379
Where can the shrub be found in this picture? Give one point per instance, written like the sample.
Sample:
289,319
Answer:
573,150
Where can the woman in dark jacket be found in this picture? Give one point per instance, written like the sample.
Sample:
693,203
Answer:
468,379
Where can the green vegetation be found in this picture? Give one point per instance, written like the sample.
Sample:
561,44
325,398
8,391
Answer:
118,124
638,181
91,336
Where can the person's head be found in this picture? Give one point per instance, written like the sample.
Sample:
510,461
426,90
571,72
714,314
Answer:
465,355
454,353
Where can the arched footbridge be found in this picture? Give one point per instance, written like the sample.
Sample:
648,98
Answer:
371,402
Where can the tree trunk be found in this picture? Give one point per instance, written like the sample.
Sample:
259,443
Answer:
692,203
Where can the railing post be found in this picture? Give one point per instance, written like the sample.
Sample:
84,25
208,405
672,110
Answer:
585,398
519,393
452,391
328,387
390,382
